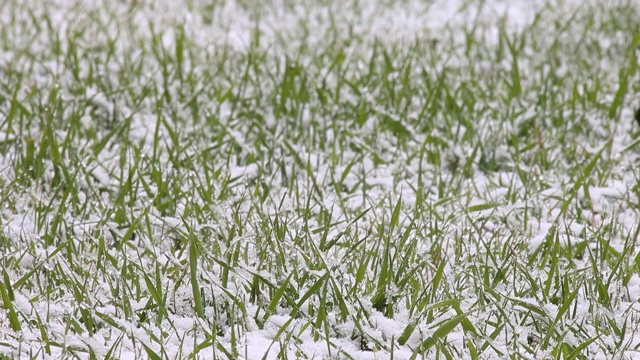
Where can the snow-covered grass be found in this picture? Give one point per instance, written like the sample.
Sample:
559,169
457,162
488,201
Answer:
353,179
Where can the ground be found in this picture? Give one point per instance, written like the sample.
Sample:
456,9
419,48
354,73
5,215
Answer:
355,179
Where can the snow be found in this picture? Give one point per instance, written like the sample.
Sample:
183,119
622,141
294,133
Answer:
233,25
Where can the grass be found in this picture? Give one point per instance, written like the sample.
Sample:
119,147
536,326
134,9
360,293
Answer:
316,183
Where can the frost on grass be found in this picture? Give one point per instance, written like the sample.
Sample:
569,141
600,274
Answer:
354,179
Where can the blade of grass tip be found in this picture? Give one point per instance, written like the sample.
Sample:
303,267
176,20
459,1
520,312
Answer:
26,276
350,165
403,239
13,109
618,98
224,350
113,347
44,335
617,267
445,329
381,302
420,189
7,283
493,336
481,207
472,350
193,269
437,278
467,325
531,307
580,181
344,309
563,309
404,273
155,294
8,304
406,333
553,266
132,228
366,258
304,165
631,146
576,352
312,291
152,354
470,332
381,299
276,298
616,329
208,341
540,254
377,344
107,319
625,74
321,321
636,260
395,216
275,338
235,300
531,281
180,39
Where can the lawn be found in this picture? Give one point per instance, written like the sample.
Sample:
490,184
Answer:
358,179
